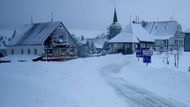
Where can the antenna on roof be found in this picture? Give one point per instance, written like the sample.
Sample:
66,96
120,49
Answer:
138,19
51,16
157,17
135,18
173,17
130,19
31,19
114,3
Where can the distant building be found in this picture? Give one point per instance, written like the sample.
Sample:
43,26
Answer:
5,37
187,41
86,47
132,36
168,35
115,28
50,40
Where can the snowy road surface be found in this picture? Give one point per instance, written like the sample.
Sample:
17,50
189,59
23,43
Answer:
107,81
133,95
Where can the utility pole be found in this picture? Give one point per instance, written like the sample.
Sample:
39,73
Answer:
167,54
31,19
51,16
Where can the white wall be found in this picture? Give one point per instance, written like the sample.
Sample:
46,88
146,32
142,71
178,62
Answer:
17,50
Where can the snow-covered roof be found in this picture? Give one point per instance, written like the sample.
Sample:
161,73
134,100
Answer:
34,34
187,30
162,29
6,32
82,42
86,33
133,33
5,35
99,43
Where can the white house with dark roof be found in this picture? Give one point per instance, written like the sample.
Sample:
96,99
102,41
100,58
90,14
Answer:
167,34
131,37
50,39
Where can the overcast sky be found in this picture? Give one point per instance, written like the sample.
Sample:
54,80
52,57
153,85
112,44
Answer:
91,14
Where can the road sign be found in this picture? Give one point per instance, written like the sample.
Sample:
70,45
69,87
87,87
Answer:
139,52
147,52
147,59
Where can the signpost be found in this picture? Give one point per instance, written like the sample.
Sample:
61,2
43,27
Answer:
147,56
144,53
147,59
139,53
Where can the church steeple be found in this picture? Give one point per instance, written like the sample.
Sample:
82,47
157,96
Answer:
115,16
115,27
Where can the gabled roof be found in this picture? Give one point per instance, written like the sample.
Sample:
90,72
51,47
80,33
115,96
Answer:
162,29
133,33
34,34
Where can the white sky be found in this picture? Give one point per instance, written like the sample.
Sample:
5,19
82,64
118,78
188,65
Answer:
91,14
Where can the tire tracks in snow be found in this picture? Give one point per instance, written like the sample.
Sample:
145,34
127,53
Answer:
133,95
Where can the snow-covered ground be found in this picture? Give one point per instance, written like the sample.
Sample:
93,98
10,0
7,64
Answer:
107,81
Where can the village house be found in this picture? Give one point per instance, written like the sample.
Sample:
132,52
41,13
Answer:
86,47
49,40
132,36
187,40
168,35
5,37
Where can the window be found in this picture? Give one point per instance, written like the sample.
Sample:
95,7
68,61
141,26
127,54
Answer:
176,42
35,51
22,51
28,51
12,51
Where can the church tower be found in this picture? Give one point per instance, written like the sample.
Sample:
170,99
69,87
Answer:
115,28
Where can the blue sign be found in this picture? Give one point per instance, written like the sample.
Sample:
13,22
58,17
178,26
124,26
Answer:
147,59
139,52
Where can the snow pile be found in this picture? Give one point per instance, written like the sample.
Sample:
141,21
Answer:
161,79
107,81
74,83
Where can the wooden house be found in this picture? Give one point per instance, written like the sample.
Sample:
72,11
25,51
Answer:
50,40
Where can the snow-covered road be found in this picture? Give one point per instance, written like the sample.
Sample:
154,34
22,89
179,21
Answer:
131,94
106,81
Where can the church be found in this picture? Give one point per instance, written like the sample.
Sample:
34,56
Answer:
115,28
